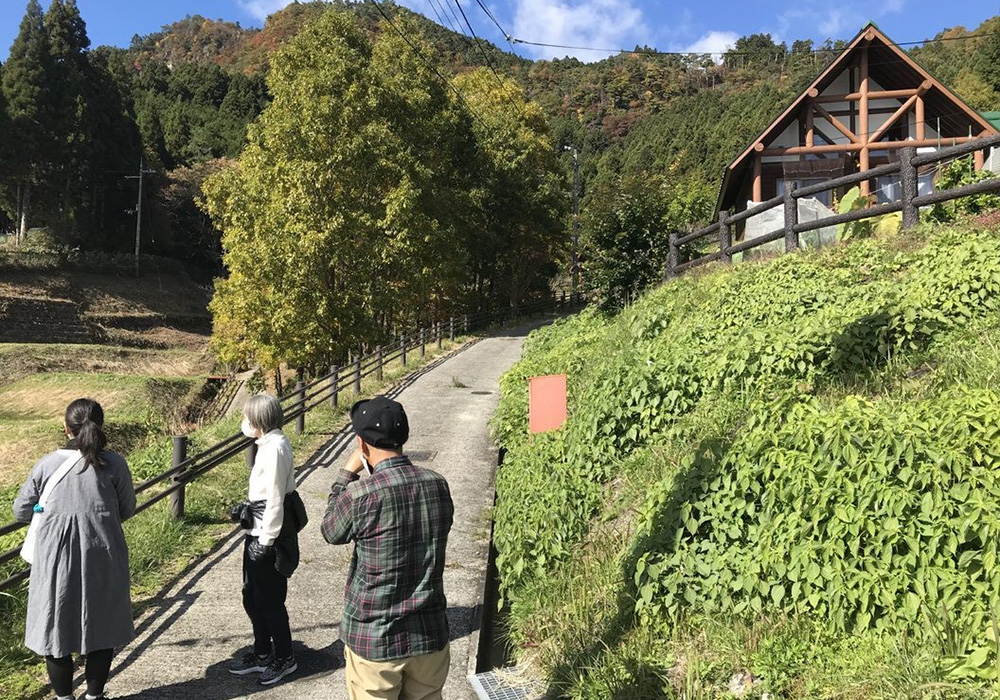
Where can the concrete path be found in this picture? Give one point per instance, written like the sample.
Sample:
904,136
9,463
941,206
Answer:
186,640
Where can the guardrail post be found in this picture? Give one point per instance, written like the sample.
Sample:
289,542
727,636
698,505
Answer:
423,342
909,185
673,257
380,363
334,385
250,454
300,398
466,324
725,238
177,497
451,329
562,300
402,348
357,373
791,221
440,335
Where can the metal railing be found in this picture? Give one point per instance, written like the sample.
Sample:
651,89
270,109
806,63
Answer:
909,204
184,468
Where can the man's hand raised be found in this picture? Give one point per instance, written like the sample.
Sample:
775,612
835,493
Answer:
354,463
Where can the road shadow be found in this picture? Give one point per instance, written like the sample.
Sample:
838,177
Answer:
218,684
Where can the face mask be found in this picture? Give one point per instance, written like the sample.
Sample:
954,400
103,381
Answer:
364,463
248,429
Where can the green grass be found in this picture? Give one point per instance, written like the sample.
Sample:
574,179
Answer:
138,409
160,547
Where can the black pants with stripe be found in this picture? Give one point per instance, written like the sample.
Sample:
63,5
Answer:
264,592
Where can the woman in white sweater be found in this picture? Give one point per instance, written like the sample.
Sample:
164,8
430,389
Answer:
264,516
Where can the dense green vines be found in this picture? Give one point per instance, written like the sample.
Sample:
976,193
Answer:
851,481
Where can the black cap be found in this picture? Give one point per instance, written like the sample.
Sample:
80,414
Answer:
381,422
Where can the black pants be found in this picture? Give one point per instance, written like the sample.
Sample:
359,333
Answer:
98,668
264,592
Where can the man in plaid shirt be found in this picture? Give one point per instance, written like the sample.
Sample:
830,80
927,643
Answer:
395,626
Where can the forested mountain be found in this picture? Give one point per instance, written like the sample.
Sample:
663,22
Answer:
653,131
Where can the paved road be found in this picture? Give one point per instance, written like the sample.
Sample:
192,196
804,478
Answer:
187,639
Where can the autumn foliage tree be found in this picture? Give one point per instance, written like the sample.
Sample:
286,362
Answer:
358,205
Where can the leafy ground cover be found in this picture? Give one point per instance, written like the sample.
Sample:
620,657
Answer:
160,547
778,477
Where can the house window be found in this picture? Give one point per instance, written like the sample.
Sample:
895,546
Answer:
888,189
825,198
925,183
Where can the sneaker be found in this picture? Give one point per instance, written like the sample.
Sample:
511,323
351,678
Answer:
278,669
249,662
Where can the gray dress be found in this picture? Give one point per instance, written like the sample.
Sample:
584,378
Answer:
78,594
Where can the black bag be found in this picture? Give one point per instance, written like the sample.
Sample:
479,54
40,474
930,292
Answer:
295,508
295,513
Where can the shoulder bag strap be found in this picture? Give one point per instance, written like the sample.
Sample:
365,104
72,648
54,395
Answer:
57,476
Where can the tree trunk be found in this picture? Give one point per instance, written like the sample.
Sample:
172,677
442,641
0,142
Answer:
25,206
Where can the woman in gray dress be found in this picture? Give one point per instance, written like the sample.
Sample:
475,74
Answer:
78,593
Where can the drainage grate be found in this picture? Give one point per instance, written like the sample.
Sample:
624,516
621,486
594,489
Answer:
422,456
482,393
494,685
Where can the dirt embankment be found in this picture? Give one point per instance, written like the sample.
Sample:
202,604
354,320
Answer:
155,310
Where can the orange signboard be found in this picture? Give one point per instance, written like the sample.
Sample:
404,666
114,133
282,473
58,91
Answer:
546,403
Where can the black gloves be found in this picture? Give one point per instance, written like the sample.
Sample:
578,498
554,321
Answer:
236,512
258,552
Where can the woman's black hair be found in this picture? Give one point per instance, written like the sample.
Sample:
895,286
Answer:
85,420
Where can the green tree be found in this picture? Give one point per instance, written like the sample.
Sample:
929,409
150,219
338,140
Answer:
345,213
520,191
73,123
26,81
989,54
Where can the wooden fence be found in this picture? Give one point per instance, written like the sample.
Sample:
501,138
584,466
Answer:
909,204
171,483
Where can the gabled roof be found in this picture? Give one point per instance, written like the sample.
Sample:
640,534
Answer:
893,69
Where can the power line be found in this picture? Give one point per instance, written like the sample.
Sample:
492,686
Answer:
427,63
656,52
437,14
495,21
503,86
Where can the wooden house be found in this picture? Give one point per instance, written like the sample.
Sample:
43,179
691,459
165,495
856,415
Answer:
873,100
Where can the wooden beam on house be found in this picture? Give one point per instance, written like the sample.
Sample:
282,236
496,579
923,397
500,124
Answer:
857,147
903,109
839,125
872,95
863,115
921,119
758,181
810,126
979,160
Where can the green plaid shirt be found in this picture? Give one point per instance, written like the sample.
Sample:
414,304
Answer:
398,519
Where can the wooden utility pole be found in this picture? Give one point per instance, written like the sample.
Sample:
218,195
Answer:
138,209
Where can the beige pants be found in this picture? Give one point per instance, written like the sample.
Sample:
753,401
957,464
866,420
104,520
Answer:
413,678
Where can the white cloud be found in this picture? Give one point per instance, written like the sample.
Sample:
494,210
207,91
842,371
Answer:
714,42
834,22
260,9
589,23
891,6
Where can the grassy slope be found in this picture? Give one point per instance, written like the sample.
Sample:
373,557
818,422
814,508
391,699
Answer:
140,388
160,547
683,391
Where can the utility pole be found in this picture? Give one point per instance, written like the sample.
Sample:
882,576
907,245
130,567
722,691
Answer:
576,220
138,208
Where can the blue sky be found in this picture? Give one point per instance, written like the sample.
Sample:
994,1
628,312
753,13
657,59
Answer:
677,25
